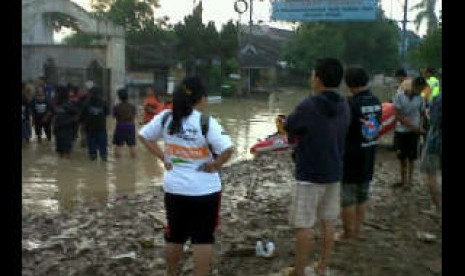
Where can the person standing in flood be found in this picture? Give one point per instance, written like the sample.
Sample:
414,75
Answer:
65,116
152,106
125,130
94,116
25,114
360,150
320,122
192,183
42,115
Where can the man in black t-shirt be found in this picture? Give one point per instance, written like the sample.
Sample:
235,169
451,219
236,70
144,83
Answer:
94,115
360,151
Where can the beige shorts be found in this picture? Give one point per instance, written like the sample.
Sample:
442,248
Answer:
311,200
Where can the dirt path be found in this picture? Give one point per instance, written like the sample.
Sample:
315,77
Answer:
256,194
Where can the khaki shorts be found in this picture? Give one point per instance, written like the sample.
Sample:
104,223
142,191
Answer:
311,200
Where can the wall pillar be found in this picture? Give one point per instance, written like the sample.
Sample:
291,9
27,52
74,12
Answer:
116,61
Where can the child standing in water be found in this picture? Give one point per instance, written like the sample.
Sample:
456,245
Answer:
41,115
64,119
125,130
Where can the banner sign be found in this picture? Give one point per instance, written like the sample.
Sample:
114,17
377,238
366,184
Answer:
325,10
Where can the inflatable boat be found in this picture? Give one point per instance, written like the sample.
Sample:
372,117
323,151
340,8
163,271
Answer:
279,142
273,143
388,119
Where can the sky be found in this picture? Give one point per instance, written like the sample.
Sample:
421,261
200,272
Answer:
221,11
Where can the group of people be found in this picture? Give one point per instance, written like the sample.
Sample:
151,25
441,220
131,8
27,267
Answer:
418,133
334,153
335,139
67,112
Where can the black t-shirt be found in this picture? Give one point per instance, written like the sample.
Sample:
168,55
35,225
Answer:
40,108
94,115
362,137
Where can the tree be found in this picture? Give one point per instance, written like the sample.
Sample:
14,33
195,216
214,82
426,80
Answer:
133,15
426,12
312,41
228,40
429,52
374,45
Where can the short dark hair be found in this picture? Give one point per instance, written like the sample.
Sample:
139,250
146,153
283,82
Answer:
329,71
356,76
419,82
122,94
400,73
429,70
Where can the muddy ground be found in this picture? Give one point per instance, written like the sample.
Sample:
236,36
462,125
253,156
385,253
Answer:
125,237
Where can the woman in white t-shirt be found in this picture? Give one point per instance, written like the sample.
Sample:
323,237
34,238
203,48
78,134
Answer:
192,183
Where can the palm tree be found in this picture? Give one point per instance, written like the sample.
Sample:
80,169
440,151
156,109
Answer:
426,13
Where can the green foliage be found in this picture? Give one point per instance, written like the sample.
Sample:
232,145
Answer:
312,41
429,52
229,66
229,40
214,77
370,44
133,15
81,39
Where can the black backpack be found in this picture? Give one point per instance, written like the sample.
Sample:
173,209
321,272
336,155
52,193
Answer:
204,124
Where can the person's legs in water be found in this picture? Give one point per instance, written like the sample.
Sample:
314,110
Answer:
102,142
118,150
92,145
48,130
132,151
38,131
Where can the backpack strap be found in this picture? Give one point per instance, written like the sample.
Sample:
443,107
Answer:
165,118
205,124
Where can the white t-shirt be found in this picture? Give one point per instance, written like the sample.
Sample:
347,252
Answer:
187,151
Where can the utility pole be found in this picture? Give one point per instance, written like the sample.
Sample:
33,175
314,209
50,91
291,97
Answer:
250,42
404,35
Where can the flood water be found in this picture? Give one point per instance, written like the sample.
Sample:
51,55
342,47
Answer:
51,184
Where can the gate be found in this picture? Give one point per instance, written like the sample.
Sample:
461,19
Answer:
78,76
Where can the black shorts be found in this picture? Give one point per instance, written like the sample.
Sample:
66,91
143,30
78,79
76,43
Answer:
194,217
406,145
123,136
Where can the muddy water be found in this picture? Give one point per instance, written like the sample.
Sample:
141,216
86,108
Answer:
51,184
